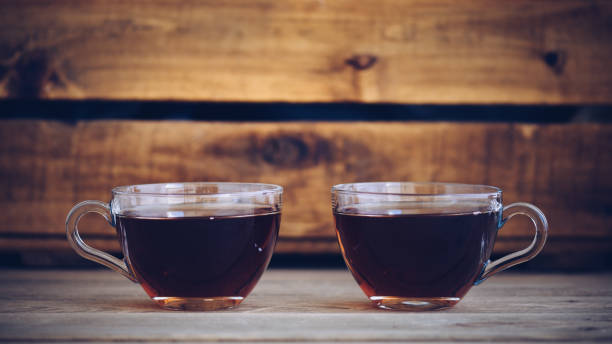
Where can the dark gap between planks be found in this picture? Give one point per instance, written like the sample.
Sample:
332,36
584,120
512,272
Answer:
73,110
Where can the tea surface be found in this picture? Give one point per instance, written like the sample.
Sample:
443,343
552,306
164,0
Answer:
415,254
209,253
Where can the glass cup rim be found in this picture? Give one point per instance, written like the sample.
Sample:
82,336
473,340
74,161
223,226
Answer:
485,190
125,190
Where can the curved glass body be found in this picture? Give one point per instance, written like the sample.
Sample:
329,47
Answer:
190,245
423,245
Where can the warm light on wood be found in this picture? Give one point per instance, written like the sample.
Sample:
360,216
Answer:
48,166
439,52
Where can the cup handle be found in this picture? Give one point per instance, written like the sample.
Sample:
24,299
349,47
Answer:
86,251
541,232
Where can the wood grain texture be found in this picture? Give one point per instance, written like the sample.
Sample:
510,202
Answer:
303,306
48,166
406,51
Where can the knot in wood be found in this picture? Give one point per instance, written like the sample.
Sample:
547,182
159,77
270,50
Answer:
361,62
30,75
284,151
555,60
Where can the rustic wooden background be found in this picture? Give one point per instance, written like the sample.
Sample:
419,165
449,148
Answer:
47,166
390,51
403,51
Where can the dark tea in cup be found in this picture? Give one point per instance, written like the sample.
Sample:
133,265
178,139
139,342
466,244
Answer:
195,246
203,253
417,246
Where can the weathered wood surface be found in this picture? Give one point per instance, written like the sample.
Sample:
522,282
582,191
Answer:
407,51
48,166
303,306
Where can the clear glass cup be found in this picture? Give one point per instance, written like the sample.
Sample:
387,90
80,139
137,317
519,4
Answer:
192,246
422,246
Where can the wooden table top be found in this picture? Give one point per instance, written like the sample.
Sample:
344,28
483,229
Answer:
302,306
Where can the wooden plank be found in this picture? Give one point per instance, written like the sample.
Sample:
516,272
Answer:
48,166
303,306
406,51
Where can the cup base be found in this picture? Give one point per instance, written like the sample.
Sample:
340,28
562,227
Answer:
414,304
197,303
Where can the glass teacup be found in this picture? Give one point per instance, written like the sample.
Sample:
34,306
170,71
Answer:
196,246
422,246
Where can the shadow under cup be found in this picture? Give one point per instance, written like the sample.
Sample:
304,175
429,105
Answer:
192,246
422,246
